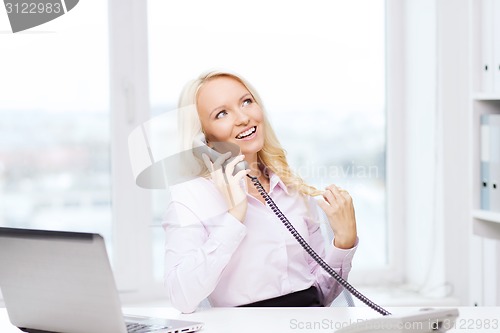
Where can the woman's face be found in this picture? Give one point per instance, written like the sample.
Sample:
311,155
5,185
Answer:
228,113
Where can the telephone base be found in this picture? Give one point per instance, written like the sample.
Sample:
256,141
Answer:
423,321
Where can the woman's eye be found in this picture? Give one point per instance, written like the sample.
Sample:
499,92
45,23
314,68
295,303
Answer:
220,114
247,101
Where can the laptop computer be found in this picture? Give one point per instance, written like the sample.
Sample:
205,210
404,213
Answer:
55,281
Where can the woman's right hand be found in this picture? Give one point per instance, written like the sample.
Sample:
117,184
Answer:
228,184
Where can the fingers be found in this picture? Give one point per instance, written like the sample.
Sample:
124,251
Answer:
229,185
221,159
208,162
336,193
323,205
338,206
337,190
334,198
231,166
215,165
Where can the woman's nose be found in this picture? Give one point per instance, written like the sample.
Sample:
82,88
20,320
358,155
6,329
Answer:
242,118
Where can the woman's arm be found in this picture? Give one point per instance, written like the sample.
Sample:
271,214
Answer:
196,253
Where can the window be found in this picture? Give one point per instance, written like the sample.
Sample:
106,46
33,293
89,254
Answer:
54,128
320,69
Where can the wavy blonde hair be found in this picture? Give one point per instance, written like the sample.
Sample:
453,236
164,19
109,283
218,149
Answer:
272,154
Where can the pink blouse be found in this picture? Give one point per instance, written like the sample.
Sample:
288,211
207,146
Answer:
209,253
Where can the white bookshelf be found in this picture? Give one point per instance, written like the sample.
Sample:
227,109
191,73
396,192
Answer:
484,92
485,99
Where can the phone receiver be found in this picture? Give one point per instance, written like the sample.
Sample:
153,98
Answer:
200,147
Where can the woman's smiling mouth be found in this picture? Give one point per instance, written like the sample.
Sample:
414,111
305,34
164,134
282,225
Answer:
247,133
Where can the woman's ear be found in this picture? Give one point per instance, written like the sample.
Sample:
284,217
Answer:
207,142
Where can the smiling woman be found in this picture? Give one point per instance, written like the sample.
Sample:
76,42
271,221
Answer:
214,247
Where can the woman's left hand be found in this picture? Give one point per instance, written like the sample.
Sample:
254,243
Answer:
229,184
339,209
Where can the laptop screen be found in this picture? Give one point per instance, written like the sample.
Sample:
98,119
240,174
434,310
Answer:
58,281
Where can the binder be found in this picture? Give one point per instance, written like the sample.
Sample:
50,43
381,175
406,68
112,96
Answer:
494,172
496,45
487,24
484,162
490,162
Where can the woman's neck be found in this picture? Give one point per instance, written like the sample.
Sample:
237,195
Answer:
253,164
256,167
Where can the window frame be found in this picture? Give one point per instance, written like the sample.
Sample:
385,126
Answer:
129,106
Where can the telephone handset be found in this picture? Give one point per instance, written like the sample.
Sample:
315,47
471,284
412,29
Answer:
200,147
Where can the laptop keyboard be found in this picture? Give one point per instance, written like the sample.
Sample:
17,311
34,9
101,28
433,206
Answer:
141,328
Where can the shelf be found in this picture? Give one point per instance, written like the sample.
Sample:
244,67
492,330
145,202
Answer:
486,224
486,229
481,96
486,215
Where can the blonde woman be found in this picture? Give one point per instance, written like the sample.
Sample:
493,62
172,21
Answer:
222,241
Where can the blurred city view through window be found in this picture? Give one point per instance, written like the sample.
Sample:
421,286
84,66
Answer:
54,171
54,124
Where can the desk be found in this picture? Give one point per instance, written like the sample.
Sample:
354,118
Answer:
243,320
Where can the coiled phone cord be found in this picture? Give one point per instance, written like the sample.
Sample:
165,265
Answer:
311,252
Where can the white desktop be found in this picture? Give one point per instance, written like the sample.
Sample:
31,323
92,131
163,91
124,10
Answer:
282,320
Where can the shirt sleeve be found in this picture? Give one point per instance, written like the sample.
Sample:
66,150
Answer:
338,259
196,252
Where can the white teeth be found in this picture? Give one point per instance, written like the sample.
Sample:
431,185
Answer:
246,133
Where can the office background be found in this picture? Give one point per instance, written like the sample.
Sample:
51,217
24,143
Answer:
373,95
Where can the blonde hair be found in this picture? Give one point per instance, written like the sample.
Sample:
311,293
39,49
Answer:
272,154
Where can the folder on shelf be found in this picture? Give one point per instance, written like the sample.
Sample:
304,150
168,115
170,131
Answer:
495,163
490,162
484,162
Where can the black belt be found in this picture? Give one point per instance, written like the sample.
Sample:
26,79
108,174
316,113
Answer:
304,298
